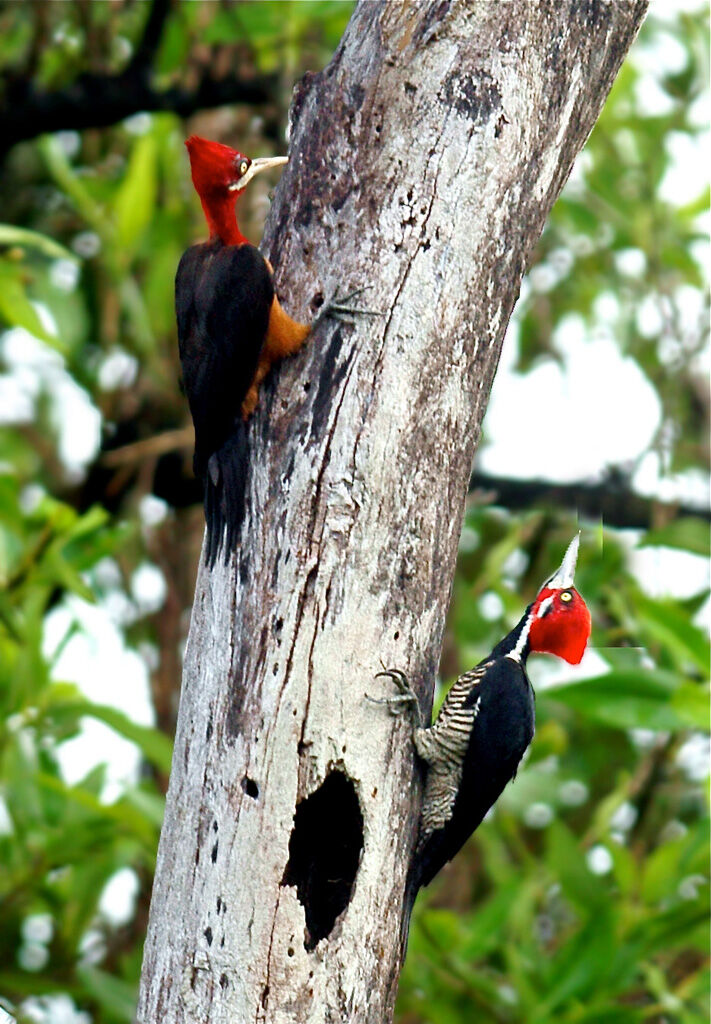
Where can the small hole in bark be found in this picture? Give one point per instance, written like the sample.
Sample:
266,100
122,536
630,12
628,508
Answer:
250,787
290,951
223,981
208,731
213,855
275,668
324,852
307,385
317,301
265,997
396,635
215,826
208,935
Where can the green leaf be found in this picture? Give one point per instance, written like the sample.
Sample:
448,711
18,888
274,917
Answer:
628,700
116,997
565,856
666,866
16,308
150,805
686,533
26,239
691,703
485,925
670,625
135,201
154,745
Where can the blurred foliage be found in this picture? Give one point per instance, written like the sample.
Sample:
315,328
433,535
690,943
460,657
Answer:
62,41
60,844
623,249
583,897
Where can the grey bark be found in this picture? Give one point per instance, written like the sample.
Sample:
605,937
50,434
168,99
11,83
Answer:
424,161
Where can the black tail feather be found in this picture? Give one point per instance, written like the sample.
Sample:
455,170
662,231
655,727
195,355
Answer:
225,490
412,887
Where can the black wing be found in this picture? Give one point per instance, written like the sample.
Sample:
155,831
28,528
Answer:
223,295
502,730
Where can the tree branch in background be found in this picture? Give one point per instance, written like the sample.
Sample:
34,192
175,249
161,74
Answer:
98,100
612,499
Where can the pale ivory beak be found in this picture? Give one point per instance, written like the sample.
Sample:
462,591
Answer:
256,167
563,578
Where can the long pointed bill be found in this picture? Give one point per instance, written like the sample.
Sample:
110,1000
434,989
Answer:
256,167
564,577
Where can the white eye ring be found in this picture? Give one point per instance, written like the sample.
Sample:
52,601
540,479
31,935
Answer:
243,167
566,596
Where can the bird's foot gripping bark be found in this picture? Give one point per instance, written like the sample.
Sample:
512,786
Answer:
339,307
405,700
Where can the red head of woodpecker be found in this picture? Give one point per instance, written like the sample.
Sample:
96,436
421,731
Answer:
219,175
559,618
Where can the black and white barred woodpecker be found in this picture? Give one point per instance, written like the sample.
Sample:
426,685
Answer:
486,722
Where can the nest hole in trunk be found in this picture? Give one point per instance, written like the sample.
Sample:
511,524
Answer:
324,853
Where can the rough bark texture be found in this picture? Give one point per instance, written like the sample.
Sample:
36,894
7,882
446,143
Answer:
424,161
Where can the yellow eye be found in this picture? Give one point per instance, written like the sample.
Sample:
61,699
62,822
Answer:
566,596
243,167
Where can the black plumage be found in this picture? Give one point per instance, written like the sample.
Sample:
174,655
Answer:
485,724
471,753
223,298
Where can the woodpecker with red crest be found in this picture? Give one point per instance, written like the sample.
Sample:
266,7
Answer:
486,722
231,330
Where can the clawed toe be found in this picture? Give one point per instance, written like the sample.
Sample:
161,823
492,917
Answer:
405,700
340,309
398,677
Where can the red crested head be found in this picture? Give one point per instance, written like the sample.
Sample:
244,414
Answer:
559,618
215,168
219,174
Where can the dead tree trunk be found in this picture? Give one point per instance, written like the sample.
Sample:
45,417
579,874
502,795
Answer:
424,161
